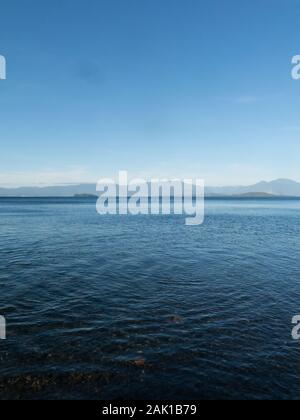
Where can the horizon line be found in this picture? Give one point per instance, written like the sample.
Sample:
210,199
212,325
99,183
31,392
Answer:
73,184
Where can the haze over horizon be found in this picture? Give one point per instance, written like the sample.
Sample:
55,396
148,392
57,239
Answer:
279,187
94,182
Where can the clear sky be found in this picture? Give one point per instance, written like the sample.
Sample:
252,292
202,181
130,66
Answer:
198,88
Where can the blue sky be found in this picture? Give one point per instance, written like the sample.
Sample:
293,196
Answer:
198,88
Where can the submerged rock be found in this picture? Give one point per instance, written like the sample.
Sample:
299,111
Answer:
176,319
140,363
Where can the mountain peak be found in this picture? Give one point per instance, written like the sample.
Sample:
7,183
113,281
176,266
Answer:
277,187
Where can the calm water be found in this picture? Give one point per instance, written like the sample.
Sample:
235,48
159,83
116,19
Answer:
145,307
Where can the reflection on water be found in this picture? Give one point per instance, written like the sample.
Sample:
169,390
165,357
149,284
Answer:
145,307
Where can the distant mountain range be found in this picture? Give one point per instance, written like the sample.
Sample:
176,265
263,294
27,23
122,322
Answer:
55,191
279,187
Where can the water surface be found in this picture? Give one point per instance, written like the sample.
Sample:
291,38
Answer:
145,307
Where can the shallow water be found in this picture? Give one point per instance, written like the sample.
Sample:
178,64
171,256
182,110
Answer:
145,307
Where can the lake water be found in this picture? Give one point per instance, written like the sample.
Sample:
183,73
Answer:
144,307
